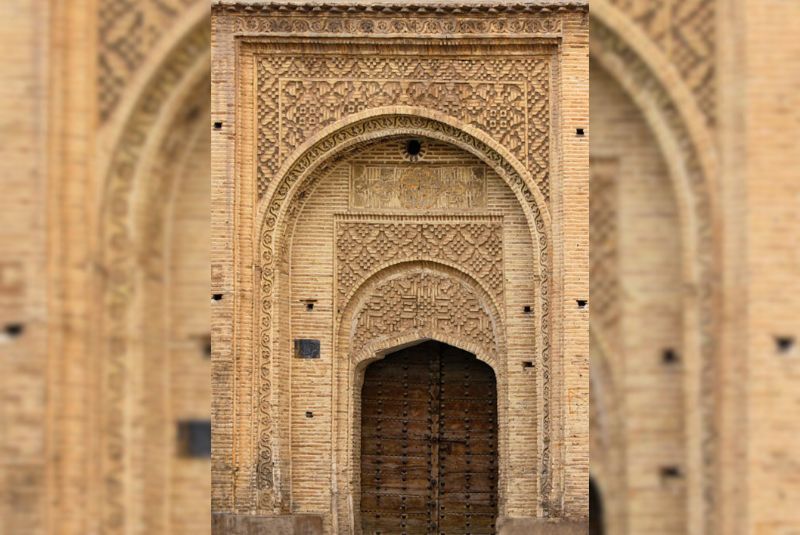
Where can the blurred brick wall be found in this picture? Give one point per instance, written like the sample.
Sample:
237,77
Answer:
23,282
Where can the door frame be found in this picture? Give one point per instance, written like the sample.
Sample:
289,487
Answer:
349,367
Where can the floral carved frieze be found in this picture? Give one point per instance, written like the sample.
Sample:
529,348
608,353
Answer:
364,245
417,187
402,25
425,302
506,96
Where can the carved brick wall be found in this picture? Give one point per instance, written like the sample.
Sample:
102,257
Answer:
128,30
685,31
266,51
367,246
506,96
425,302
366,243
292,166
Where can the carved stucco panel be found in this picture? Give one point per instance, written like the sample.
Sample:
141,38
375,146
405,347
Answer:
364,245
417,187
404,24
425,302
508,97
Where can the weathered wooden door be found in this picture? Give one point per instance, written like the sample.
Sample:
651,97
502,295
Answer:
429,443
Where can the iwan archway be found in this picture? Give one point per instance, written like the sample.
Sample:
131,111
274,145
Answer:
375,194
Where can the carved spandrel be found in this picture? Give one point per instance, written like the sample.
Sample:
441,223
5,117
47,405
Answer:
507,97
425,301
417,187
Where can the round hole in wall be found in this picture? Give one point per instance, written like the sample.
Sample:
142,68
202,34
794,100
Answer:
413,147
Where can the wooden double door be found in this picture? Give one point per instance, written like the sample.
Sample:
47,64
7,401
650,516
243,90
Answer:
429,443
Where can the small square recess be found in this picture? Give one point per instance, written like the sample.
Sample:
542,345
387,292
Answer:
194,438
306,348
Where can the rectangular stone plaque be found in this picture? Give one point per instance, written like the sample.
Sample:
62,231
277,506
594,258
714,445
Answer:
306,348
417,187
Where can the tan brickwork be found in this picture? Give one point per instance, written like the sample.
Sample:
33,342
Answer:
23,297
189,330
647,321
302,121
106,434
732,277
693,242
649,77
773,265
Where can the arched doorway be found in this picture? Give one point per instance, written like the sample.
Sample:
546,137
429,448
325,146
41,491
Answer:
429,443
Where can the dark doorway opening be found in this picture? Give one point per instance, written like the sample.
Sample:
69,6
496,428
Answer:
429,443
596,520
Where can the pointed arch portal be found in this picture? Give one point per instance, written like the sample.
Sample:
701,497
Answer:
385,193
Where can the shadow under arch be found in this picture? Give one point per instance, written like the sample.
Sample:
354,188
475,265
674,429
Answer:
597,525
293,184
687,145
349,365
605,434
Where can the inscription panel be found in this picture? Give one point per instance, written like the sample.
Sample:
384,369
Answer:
417,187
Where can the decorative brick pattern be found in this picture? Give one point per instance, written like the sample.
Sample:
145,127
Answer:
127,32
604,239
685,30
508,97
428,302
364,244
300,113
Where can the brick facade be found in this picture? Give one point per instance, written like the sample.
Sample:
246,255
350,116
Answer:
104,289
326,117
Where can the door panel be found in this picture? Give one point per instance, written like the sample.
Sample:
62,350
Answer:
429,443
